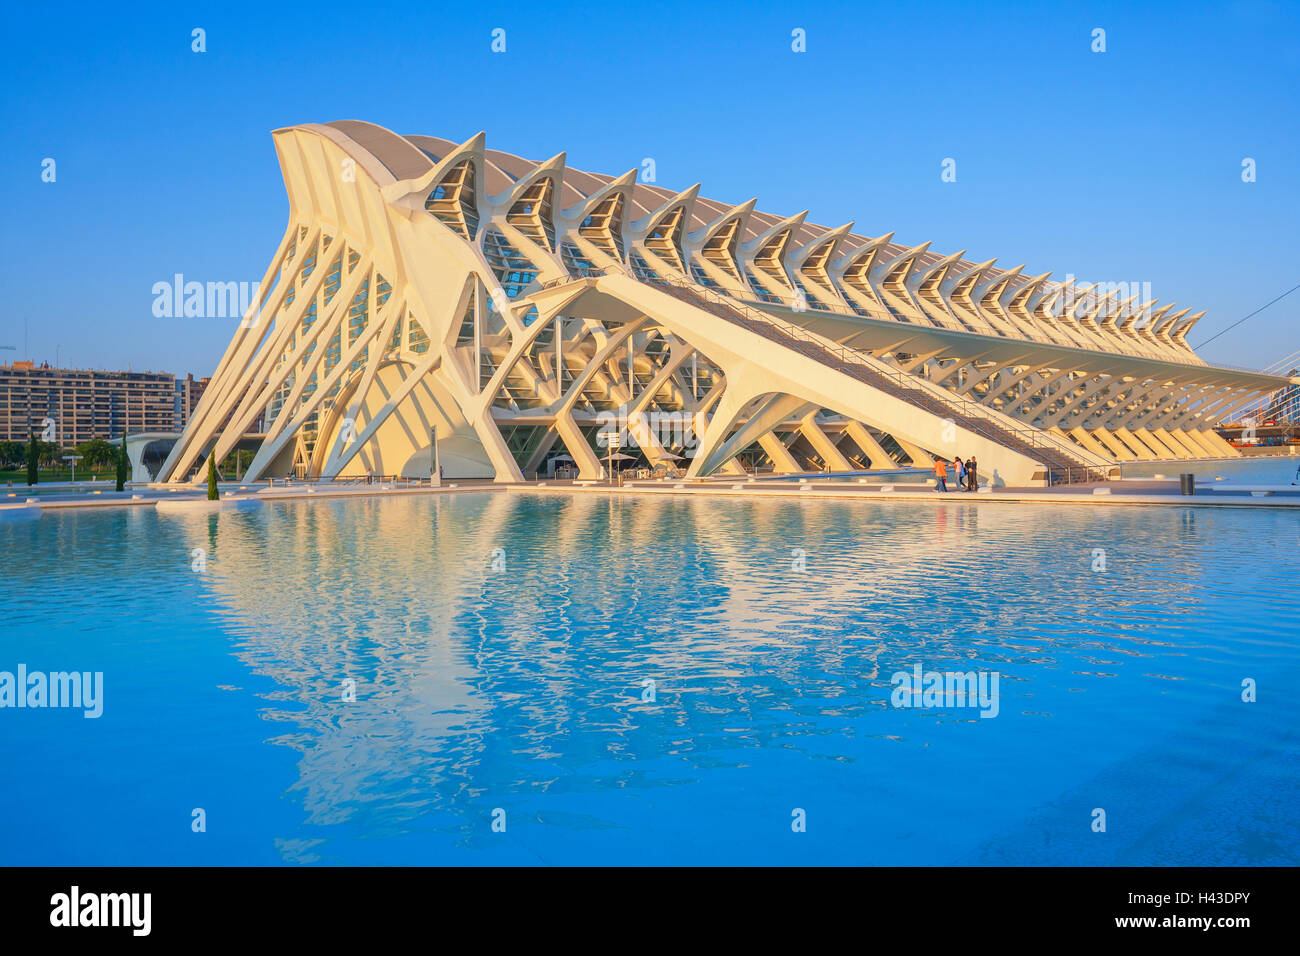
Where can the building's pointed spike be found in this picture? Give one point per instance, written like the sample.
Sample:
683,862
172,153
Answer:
829,240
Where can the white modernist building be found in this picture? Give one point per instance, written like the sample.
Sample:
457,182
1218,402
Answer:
525,311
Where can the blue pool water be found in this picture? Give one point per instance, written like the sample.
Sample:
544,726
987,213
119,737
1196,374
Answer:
521,689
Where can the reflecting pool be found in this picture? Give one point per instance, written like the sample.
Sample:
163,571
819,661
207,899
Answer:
630,680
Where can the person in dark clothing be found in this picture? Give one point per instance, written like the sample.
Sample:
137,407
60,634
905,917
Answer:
972,479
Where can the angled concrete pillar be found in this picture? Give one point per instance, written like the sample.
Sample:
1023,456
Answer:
783,462
1173,441
1200,438
720,443
1218,441
1118,449
1153,442
1090,443
920,457
1190,439
833,457
863,438
1140,448
589,466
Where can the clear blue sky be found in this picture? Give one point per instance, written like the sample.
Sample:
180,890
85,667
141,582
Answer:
1118,166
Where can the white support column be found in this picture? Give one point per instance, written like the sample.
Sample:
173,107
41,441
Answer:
920,457
783,462
834,459
874,451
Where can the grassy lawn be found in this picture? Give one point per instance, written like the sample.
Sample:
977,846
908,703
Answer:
19,475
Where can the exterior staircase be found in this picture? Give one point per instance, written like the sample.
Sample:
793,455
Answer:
1063,461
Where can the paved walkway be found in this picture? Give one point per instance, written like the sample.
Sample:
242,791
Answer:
1142,491
149,497
16,503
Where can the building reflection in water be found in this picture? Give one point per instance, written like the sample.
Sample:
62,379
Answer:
508,637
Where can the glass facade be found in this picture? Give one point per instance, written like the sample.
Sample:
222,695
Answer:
576,262
513,269
453,201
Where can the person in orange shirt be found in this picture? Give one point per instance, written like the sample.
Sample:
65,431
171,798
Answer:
940,475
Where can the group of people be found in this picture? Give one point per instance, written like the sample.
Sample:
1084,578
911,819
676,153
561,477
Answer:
965,472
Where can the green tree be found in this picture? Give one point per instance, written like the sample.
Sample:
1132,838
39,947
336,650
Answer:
121,463
212,478
33,459
97,453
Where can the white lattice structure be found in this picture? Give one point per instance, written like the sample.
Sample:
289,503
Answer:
516,306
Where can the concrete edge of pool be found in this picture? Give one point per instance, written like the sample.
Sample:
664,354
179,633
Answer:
1150,492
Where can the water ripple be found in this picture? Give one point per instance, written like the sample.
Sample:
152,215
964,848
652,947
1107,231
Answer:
660,677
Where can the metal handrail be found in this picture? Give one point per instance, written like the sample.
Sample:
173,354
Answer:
1035,335
1282,405
1000,419
1284,366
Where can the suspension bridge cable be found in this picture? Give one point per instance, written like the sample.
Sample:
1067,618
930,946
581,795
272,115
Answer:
1245,317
